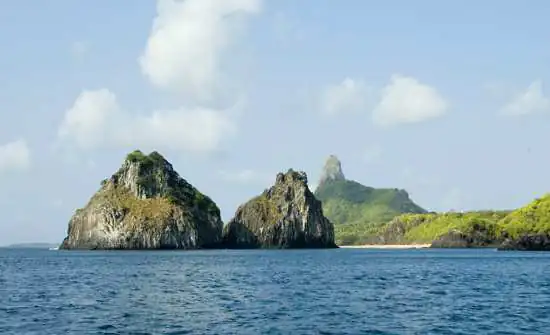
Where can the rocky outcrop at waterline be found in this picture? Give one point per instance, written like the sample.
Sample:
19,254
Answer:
145,205
287,215
528,242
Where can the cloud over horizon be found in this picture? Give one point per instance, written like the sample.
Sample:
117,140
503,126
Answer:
96,120
188,41
348,96
531,100
406,100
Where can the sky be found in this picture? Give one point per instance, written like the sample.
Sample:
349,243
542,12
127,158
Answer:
446,99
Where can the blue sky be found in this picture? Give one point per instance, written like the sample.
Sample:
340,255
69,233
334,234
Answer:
446,99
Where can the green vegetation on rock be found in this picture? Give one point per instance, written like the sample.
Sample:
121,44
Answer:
137,156
265,208
425,228
286,215
531,219
145,205
359,211
152,173
477,228
367,215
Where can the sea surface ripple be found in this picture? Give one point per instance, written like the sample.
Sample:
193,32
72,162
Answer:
345,291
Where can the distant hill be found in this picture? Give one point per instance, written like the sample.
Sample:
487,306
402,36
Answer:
482,228
359,211
37,245
474,229
534,218
367,215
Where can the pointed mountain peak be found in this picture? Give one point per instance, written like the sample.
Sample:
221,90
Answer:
146,176
332,170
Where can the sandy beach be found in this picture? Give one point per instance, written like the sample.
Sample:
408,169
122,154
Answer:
387,246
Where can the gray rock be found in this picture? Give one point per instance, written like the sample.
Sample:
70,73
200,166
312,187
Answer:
287,215
145,205
332,170
453,239
530,242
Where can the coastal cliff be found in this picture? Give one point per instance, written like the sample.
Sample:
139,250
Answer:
287,215
528,228
476,229
145,205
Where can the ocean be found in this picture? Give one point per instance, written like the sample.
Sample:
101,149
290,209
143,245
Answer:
345,291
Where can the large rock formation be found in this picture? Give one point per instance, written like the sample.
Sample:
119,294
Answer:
332,170
145,205
287,215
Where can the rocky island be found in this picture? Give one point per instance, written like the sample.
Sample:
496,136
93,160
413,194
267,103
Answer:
145,205
287,215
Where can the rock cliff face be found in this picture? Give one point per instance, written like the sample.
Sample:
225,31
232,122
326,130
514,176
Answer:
287,215
458,239
145,205
529,242
332,170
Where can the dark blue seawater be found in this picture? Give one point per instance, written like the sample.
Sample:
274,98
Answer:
275,292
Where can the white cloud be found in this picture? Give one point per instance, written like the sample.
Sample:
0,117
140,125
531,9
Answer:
96,120
348,96
14,156
246,176
87,121
532,100
187,42
197,129
406,100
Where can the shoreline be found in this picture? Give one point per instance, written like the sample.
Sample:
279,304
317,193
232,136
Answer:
386,246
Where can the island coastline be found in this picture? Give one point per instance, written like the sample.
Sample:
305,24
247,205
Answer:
386,246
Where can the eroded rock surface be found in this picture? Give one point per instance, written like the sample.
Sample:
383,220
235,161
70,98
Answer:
332,170
287,215
528,242
145,205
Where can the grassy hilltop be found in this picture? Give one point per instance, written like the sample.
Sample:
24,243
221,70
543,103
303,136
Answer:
358,211
367,215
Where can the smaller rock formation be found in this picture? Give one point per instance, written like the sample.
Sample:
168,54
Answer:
332,170
287,215
453,239
145,205
477,237
529,242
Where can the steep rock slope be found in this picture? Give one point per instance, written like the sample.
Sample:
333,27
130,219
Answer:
358,211
287,215
145,205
